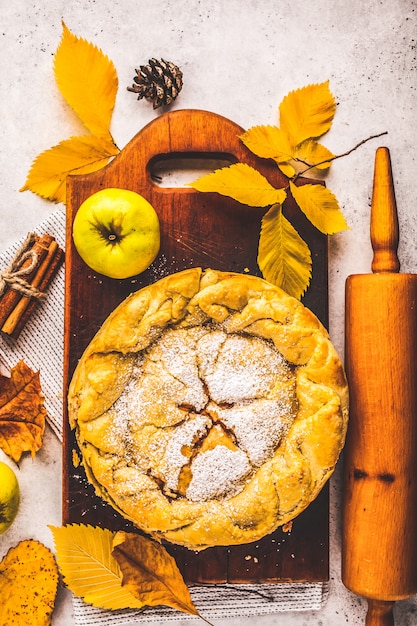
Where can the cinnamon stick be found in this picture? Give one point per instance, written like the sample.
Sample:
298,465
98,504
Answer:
51,272
12,296
41,280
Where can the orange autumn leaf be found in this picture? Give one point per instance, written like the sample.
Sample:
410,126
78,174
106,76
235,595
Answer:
28,585
22,412
150,573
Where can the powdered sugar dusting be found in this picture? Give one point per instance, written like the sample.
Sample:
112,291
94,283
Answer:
217,473
212,404
176,352
237,368
258,425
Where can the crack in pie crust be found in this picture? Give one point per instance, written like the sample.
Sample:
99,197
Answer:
210,408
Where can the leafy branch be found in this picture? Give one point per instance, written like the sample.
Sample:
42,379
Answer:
306,114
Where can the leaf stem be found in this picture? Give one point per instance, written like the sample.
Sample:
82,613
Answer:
204,620
339,156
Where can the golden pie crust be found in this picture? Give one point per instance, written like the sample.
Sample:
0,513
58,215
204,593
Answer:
210,408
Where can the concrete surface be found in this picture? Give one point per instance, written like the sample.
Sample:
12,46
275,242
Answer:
239,59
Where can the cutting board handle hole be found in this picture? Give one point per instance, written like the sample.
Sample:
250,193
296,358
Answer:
179,170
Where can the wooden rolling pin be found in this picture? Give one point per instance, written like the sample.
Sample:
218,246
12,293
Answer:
379,545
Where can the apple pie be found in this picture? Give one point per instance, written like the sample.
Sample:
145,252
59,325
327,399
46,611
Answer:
210,408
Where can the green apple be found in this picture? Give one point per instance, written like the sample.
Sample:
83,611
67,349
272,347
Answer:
116,232
9,496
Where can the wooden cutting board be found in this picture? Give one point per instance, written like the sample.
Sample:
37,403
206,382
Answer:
197,229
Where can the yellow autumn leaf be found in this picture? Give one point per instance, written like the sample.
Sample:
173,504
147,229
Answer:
320,206
287,169
88,81
84,556
151,573
313,153
307,113
77,155
269,142
283,256
241,182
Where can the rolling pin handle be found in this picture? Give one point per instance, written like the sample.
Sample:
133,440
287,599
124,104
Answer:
380,613
384,217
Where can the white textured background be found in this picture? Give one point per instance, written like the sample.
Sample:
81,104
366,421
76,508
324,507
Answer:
239,58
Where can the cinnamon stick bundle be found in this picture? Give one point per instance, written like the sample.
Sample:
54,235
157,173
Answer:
36,250
18,302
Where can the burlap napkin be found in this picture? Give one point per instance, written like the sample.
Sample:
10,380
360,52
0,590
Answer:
40,344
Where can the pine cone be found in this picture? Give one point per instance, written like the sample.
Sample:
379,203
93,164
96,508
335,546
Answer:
159,82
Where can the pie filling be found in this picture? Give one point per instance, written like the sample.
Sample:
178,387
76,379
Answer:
204,409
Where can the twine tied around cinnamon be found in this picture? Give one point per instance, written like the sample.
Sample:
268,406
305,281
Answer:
14,275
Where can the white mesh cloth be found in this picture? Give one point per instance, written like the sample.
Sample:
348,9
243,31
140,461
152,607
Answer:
40,345
217,602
